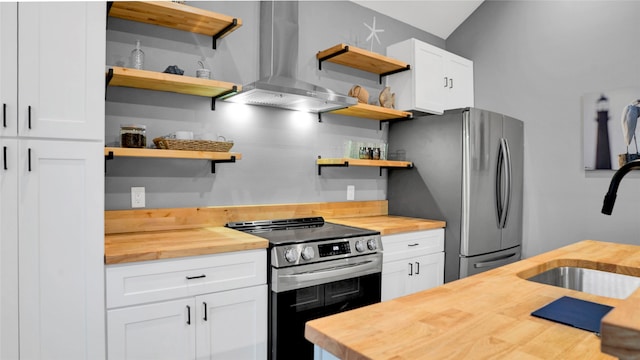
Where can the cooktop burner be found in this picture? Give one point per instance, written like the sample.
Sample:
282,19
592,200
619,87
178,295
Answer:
299,230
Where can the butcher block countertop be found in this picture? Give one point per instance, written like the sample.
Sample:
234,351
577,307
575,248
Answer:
487,316
154,245
152,234
388,224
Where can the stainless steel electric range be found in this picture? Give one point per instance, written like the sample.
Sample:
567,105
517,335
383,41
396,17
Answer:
316,268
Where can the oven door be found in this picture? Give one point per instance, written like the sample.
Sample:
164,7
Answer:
348,284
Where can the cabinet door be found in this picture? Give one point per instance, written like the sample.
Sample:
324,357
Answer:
8,248
460,73
61,69
61,249
232,324
164,330
8,66
395,279
431,80
426,272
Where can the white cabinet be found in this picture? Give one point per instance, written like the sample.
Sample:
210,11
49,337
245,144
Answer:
438,80
9,249
233,325
154,331
8,66
61,249
61,70
52,191
204,307
412,262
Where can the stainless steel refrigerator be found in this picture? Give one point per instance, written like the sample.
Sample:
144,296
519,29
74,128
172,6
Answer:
468,171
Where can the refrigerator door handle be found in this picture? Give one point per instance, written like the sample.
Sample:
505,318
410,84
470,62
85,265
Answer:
503,178
508,182
502,260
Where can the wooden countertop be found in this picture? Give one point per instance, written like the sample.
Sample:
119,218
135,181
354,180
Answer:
480,317
151,234
154,245
164,244
389,224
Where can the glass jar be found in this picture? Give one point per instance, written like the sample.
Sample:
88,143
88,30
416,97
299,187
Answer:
133,136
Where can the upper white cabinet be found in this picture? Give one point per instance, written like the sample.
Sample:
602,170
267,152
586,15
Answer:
412,262
8,66
437,81
60,70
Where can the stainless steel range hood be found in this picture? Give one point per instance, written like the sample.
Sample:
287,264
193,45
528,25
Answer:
278,86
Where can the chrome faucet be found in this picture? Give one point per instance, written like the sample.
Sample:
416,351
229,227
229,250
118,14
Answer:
610,198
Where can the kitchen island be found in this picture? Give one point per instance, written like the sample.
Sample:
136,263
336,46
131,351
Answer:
481,317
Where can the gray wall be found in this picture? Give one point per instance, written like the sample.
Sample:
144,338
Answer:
534,60
279,147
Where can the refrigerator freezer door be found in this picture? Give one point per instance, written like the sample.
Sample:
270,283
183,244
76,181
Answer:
477,264
513,132
480,233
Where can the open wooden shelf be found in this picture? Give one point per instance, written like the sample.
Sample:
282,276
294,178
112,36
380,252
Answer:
215,157
361,59
176,16
152,80
346,162
373,112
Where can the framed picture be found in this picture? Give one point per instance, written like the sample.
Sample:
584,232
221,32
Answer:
605,145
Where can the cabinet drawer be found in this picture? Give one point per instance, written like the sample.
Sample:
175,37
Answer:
143,282
401,246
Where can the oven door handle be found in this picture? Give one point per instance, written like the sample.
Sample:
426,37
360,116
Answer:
333,271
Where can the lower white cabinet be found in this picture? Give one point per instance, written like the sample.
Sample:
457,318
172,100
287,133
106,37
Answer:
52,249
224,315
412,262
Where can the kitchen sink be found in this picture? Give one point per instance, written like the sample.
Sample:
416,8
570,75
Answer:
591,281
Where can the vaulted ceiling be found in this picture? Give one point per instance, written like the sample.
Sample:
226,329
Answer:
439,18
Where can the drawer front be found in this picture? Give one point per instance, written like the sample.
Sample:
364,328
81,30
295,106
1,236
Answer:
150,281
401,246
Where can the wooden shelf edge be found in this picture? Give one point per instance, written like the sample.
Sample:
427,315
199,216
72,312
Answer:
170,154
152,80
373,112
364,162
176,16
361,59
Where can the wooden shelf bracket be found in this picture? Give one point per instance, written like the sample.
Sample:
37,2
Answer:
320,166
213,163
223,32
337,53
393,72
223,96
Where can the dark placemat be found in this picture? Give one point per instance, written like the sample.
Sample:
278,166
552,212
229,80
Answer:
578,313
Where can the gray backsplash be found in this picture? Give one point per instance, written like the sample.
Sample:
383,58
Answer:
278,147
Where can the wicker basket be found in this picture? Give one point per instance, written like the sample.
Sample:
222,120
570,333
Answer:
192,145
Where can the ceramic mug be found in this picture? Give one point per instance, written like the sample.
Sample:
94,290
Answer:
203,73
184,135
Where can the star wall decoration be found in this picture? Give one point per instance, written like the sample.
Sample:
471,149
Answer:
374,33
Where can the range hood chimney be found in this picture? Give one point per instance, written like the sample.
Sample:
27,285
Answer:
278,86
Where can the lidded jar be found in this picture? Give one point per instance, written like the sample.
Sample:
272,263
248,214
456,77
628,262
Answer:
133,136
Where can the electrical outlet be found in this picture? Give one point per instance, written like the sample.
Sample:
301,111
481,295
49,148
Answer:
351,192
137,197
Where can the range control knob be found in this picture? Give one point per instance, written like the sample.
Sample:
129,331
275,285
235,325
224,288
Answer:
360,247
291,255
308,253
372,244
